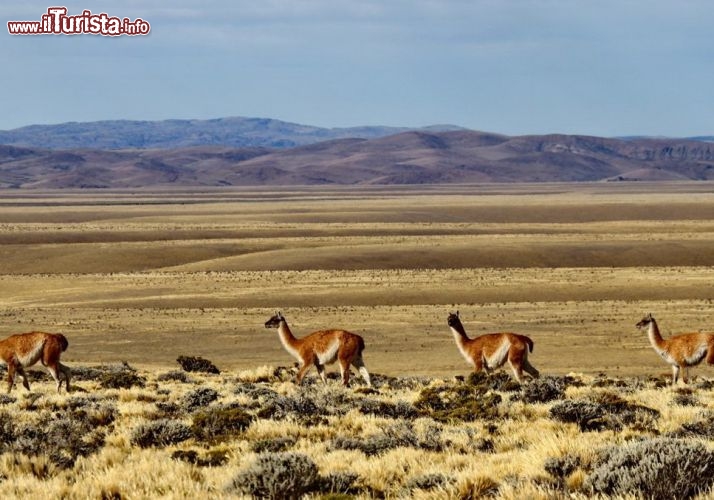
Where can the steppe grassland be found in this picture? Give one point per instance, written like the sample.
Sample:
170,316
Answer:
145,277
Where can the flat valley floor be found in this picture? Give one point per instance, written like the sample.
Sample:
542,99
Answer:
147,276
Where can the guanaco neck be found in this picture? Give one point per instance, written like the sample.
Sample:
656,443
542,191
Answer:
459,333
286,336
655,337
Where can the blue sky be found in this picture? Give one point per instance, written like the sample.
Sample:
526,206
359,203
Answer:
610,67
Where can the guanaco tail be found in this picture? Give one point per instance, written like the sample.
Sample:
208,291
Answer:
322,348
491,351
25,349
680,351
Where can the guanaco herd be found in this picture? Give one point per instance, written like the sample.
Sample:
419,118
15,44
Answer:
485,353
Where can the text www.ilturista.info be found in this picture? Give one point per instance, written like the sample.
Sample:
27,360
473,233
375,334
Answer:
57,22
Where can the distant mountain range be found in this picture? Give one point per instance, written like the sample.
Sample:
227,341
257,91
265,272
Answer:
379,156
236,132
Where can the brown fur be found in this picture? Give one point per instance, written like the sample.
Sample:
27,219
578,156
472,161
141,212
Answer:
491,351
681,351
322,348
25,349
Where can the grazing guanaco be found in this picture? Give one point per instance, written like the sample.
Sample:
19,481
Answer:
490,351
322,348
680,351
25,349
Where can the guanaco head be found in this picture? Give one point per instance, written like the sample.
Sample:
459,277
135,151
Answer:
454,321
274,322
645,321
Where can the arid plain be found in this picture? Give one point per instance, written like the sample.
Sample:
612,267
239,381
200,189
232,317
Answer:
146,276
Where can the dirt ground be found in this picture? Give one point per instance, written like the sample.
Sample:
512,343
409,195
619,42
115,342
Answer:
146,276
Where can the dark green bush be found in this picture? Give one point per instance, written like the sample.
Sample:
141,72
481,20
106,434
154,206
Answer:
197,364
278,476
219,423
561,467
61,437
273,445
546,389
608,412
660,468
211,459
428,482
458,402
160,433
174,376
399,435
121,377
200,398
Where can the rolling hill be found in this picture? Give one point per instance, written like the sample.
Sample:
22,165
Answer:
413,157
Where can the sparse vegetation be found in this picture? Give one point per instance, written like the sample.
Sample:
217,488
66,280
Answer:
144,277
272,439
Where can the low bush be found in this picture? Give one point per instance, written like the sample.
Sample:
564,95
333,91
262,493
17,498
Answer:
659,468
175,376
609,412
160,433
428,482
61,437
197,364
400,435
278,476
273,445
460,402
200,398
219,423
546,389
121,377
210,459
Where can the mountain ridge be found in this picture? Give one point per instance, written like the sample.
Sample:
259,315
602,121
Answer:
412,157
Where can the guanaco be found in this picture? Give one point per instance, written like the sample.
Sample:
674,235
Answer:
322,348
680,351
25,349
491,351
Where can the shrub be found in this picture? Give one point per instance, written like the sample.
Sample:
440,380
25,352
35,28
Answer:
398,410
122,377
428,482
460,402
545,389
301,407
498,381
685,397
561,467
703,428
174,376
219,423
61,438
274,445
197,364
278,476
212,458
400,435
201,397
87,372
6,399
654,468
610,414
337,483
160,433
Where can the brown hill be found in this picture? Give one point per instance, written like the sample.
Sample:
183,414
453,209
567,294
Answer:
415,157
